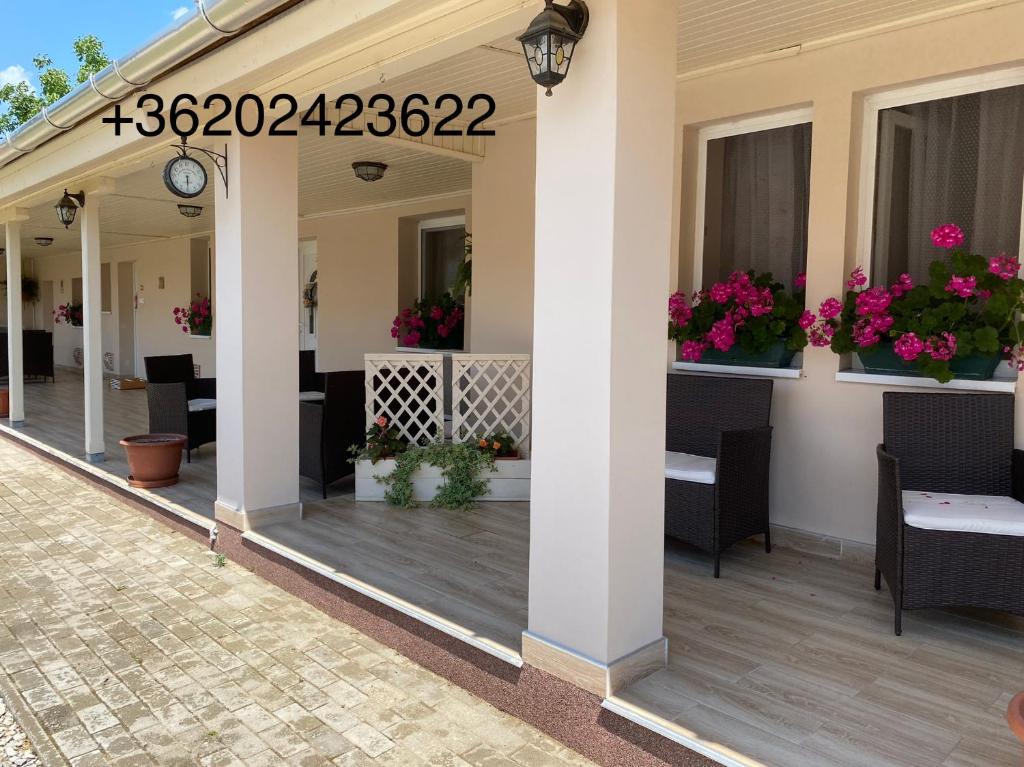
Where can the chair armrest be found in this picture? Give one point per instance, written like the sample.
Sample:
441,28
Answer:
1018,475
743,469
203,388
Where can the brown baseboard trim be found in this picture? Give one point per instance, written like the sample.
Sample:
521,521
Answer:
564,712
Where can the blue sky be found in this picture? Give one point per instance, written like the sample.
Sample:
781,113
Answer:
32,27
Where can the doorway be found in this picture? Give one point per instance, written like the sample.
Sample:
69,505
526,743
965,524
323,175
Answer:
126,317
46,299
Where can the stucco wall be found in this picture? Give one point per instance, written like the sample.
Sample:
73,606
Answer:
825,432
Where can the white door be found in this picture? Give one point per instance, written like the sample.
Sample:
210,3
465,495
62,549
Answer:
307,294
126,317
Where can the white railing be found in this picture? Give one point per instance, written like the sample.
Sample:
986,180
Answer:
408,390
491,394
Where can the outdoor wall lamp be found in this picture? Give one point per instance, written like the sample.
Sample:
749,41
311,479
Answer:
67,208
549,41
369,171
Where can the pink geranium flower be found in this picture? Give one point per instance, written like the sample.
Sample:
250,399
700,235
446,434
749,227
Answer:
821,335
830,308
800,281
720,292
941,347
806,319
902,285
908,346
691,351
678,308
722,335
864,334
1003,266
962,286
857,278
873,301
947,236
436,313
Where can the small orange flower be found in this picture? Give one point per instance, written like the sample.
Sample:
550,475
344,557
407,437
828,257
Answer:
382,422
483,443
496,446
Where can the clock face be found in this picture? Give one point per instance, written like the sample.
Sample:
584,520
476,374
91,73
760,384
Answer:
185,177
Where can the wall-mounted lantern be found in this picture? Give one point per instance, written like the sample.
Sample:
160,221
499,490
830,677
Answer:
550,40
68,207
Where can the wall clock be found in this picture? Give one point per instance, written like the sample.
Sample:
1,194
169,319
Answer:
185,176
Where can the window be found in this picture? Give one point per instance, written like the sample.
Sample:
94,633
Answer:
752,213
105,288
442,251
957,160
199,255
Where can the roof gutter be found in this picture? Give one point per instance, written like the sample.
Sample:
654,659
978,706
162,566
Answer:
210,25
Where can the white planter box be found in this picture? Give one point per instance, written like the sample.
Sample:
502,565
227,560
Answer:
510,481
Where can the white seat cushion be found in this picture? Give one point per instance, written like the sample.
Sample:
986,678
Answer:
690,468
311,396
201,403
993,514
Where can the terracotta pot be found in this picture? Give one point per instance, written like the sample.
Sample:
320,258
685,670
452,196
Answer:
5,403
1015,715
154,459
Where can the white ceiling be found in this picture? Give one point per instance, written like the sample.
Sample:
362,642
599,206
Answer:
711,33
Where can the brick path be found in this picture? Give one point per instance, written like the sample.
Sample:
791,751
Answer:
130,646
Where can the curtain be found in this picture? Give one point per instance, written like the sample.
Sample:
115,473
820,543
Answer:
765,191
966,167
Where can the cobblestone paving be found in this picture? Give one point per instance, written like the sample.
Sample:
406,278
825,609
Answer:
132,647
15,749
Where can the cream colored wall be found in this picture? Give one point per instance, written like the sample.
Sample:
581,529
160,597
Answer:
503,211
358,279
155,331
825,432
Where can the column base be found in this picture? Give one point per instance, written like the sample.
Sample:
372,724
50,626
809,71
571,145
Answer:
17,424
603,679
255,518
96,457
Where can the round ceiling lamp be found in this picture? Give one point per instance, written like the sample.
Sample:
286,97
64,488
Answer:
190,211
43,242
369,171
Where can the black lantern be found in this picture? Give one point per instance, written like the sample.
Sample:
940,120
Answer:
550,40
369,171
67,208
190,211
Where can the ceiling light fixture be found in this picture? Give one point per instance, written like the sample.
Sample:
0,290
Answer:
43,242
190,211
369,171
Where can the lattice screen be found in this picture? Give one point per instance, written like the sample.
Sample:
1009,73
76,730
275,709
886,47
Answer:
491,393
408,389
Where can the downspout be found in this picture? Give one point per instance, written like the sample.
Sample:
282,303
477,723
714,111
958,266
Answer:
211,23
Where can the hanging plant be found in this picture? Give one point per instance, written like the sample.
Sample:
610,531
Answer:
461,467
29,289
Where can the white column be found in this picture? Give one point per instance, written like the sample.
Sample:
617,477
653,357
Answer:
15,367
257,346
603,237
92,329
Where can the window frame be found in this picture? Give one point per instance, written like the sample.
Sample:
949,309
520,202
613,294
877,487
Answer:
428,225
782,118
874,104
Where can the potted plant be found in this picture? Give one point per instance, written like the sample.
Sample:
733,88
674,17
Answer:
431,324
383,440
959,325
29,289
196,318
68,314
154,459
500,445
750,319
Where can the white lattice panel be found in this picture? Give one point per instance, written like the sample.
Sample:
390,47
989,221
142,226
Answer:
408,389
491,393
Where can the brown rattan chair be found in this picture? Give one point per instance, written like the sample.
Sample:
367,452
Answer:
725,419
180,403
948,444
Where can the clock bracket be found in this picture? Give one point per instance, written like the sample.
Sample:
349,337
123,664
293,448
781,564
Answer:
219,160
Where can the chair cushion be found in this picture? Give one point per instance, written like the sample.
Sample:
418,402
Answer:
993,514
311,396
690,468
200,403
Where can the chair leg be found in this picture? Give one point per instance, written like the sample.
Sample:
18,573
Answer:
323,486
878,579
188,455
767,541
899,621
717,564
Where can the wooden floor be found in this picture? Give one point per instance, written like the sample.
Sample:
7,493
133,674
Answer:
788,659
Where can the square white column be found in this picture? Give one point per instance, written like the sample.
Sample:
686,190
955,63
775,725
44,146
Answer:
15,358
605,147
257,338
92,329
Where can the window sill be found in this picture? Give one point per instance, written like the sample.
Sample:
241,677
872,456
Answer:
738,370
199,338
1000,382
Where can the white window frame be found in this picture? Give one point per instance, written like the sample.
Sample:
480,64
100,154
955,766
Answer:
914,94
783,118
448,222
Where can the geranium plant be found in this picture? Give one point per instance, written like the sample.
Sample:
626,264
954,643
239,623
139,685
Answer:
383,440
748,310
68,314
500,444
968,308
430,324
197,318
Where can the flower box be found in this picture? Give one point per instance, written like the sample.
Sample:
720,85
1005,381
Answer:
509,482
882,360
777,356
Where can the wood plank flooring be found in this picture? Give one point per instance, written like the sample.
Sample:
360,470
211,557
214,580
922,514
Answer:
788,659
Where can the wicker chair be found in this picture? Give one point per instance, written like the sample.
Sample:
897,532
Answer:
180,403
36,354
718,451
309,379
327,429
958,444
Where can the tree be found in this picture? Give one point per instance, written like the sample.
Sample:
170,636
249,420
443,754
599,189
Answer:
23,102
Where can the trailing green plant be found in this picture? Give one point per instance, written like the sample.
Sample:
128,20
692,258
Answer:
461,466
383,440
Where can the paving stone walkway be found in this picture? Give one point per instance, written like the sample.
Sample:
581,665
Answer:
131,646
